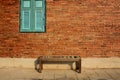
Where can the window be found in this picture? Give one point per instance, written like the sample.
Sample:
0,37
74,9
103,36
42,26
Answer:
32,17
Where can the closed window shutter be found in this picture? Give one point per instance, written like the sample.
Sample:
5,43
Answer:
25,15
26,20
39,15
39,20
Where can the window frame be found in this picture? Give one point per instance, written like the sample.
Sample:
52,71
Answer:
32,3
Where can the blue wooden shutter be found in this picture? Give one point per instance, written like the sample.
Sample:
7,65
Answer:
25,15
39,20
39,15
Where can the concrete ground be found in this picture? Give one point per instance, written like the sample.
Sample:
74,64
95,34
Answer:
31,74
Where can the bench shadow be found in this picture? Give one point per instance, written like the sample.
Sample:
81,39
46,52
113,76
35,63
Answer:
37,79
65,79
62,78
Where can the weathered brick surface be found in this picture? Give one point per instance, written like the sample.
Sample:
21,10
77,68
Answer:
89,28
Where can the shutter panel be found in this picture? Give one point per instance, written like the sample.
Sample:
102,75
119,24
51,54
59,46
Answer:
26,3
26,20
39,20
39,3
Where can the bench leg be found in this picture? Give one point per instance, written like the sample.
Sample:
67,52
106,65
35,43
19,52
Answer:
78,66
40,66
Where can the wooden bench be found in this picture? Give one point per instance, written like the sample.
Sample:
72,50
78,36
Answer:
43,59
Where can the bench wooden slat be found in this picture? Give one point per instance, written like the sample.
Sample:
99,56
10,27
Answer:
59,59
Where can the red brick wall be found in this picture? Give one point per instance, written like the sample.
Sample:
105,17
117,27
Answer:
89,28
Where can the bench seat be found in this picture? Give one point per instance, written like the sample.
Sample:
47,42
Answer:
43,59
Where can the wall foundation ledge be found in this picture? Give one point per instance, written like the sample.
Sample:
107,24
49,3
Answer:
113,62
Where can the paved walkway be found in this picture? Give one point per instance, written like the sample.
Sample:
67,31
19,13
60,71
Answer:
31,74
